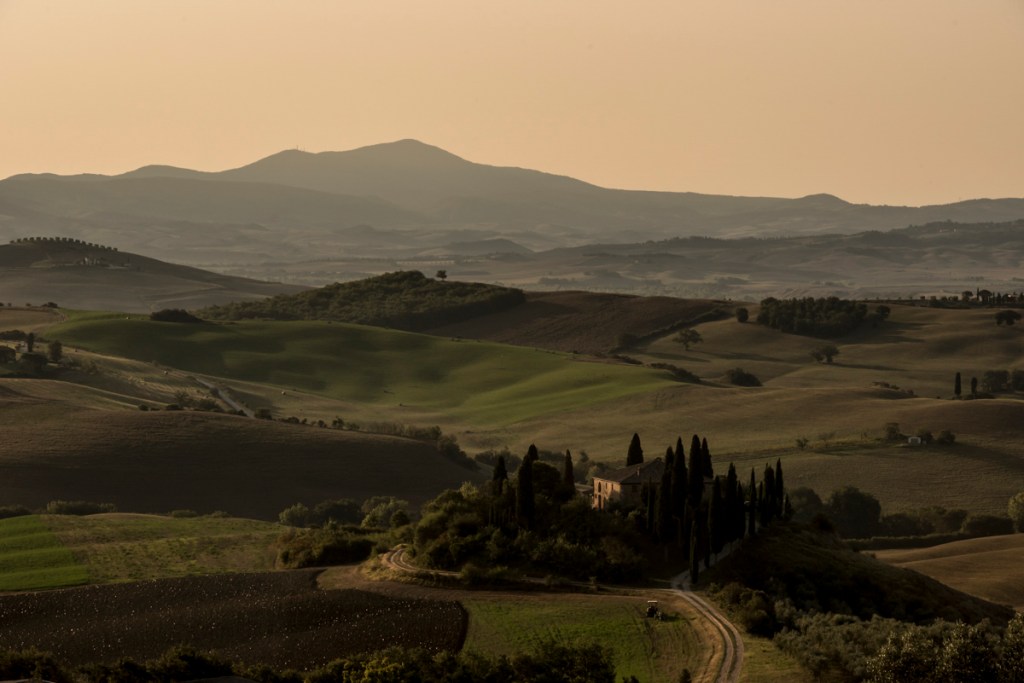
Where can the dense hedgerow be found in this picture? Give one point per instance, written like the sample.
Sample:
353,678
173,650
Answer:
405,300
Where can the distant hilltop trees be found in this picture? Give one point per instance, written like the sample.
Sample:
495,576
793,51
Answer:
61,240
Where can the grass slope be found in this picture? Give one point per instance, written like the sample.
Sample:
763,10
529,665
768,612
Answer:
476,382
585,322
162,461
986,567
134,547
653,651
821,574
32,557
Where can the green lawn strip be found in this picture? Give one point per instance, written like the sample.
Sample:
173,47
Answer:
481,382
653,651
765,663
32,557
138,547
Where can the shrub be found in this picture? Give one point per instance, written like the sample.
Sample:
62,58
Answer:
297,515
946,437
322,547
742,378
987,525
78,507
174,315
7,511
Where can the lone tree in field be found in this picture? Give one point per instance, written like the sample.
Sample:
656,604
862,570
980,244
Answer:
688,337
635,454
442,275
742,315
825,352
1015,509
956,385
1008,316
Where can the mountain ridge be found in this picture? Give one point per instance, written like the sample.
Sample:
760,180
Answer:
295,205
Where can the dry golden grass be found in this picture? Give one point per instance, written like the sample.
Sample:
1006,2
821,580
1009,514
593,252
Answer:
988,568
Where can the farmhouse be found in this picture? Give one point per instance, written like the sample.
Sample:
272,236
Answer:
625,486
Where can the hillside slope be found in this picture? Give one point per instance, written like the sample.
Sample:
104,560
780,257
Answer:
92,277
161,461
986,567
582,322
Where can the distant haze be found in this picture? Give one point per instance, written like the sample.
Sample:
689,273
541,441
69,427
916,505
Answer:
912,102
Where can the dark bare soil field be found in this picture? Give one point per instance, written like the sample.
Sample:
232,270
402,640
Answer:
162,461
281,619
586,322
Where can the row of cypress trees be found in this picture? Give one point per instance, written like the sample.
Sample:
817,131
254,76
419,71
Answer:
698,512
690,511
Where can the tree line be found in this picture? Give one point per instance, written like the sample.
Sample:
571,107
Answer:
533,519
818,317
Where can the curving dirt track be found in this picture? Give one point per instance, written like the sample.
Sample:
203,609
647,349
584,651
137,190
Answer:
725,659
726,662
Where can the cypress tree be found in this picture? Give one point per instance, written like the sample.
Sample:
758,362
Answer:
669,459
729,522
764,517
769,493
705,455
499,477
694,556
705,541
716,517
696,473
568,476
663,523
752,508
524,489
780,489
974,386
680,453
635,454
679,497
956,385
741,512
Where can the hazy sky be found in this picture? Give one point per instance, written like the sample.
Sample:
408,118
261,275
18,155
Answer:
880,101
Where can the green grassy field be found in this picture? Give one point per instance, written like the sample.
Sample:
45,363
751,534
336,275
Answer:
653,651
476,382
54,551
32,557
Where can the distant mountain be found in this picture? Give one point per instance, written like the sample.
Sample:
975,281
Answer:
406,198
95,277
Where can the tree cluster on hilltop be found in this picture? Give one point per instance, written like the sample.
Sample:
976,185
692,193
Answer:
821,317
534,521
406,300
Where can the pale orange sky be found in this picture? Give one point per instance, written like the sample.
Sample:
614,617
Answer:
880,101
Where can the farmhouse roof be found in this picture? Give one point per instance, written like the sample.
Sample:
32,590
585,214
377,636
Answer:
644,473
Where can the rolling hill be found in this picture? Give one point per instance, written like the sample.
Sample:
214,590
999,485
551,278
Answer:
89,276
988,568
157,461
